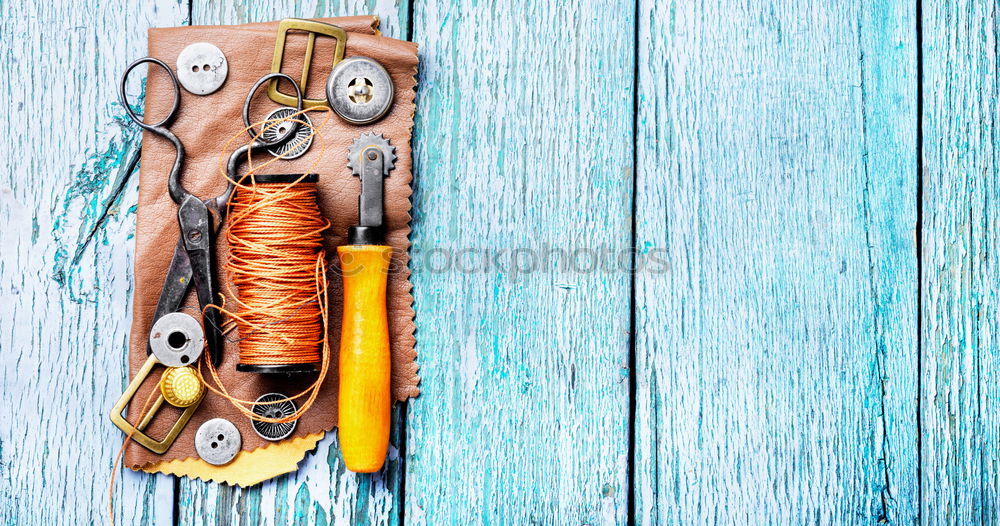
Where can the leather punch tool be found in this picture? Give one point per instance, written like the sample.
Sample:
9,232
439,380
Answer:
176,339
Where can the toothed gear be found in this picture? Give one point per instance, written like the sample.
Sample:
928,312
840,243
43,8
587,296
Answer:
362,143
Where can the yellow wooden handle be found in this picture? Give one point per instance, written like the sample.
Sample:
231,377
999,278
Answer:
365,364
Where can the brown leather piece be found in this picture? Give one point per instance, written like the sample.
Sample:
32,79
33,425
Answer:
204,125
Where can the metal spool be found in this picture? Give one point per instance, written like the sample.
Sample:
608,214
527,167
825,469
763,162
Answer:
271,431
177,339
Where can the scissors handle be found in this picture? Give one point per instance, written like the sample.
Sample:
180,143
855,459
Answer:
258,142
140,119
177,191
280,139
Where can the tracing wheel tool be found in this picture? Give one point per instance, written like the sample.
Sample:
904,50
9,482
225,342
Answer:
365,364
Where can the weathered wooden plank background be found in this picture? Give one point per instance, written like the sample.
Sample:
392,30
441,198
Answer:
66,260
959,319
523,416
809,336
776,359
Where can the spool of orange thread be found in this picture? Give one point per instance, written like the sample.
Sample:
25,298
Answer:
276,257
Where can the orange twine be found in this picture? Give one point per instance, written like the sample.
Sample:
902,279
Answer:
279,267
276,243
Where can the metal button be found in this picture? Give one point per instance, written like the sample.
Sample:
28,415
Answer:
360,90
202,68
218,441
294,147
269,430
177,339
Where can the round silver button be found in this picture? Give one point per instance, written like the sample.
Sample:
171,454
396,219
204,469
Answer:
177,339
271,431
360,90
297,145
218,441
202,68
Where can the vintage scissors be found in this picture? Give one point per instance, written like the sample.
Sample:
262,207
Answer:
199,219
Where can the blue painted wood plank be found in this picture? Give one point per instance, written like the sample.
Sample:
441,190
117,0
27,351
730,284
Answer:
960,355
523,161
66,262
394,15
776,297
322,491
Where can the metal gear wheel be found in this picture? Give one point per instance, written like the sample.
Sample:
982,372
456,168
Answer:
363,142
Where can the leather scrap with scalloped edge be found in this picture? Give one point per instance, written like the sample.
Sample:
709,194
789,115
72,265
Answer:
249,467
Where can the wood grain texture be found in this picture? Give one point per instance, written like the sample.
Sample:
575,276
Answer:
394,15
67,211
523,148
778,377
776,176
960,430
322,491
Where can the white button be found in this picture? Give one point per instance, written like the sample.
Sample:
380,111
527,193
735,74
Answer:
202,68
218,441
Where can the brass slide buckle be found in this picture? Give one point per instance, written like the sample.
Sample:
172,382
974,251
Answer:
313,28
156,446
176,341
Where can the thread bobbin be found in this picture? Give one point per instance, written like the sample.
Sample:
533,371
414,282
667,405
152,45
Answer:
278,179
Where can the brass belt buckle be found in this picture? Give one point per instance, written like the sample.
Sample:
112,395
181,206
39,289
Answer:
156,446
175,341
313,28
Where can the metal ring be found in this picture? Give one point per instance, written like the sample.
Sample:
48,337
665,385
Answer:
124,99
253,90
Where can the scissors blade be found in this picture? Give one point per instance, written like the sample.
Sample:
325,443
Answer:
176,284
196,235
